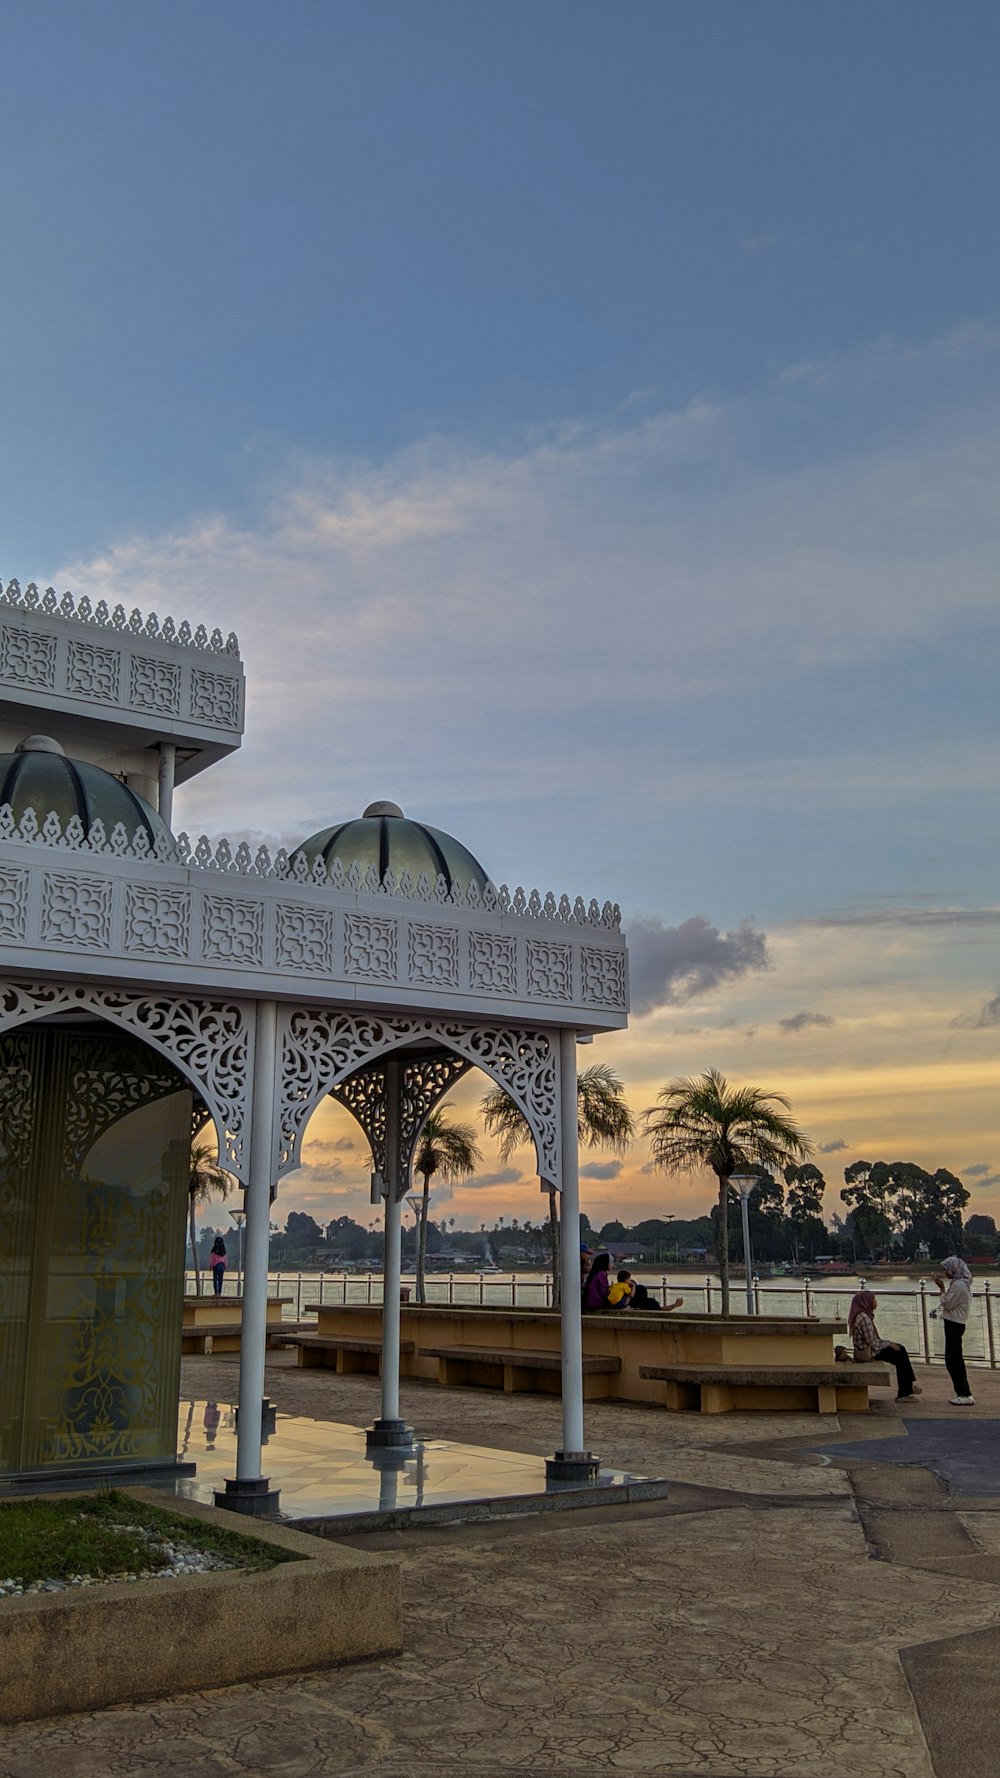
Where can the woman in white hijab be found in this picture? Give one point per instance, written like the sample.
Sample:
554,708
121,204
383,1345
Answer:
955,1286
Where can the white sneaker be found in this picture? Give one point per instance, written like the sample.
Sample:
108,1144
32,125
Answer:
962,1401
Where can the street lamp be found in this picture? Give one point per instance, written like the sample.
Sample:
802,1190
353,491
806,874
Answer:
239,1217
415,1201
744,1183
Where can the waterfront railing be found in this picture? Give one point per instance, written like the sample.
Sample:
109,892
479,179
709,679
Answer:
906,1314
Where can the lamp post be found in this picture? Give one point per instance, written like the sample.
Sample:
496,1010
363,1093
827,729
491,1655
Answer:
744,1183
239,1217
415,1202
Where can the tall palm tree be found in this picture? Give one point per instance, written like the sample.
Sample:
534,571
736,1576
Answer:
206,1180
450,1151
603,1121
704,1122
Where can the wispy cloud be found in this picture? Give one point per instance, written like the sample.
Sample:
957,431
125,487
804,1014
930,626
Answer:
835,1147
801,1021
601,1170
986,1019
981,1170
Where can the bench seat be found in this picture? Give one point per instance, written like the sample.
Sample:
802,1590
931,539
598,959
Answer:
348,1354
719,1388
223,1337
516,1370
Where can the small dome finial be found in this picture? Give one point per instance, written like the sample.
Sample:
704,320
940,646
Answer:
383,809
40,744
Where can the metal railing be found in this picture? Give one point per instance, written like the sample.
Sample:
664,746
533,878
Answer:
907,1315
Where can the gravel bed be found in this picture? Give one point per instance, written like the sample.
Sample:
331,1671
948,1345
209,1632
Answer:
181,1558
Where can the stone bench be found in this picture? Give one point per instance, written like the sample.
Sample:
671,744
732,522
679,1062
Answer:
223,1337
719,1388
348,1354
514,1370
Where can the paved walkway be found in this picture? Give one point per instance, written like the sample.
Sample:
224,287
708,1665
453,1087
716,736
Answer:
784,1615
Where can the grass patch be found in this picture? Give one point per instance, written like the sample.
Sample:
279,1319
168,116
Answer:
55,1539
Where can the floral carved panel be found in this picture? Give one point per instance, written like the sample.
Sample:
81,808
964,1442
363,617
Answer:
13,903
233,931
550,970
370,947
76,911
603,977
27,657
154,685
304,939
215,698
157,920
493,962
93,671
434,955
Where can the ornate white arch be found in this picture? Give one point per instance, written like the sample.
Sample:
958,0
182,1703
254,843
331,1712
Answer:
210,1042
320,1049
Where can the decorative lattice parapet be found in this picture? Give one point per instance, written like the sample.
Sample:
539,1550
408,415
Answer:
70,657
238,923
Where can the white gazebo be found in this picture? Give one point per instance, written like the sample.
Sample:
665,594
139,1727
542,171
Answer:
147,984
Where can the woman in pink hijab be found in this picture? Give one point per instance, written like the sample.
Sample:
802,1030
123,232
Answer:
868,1344
955,1285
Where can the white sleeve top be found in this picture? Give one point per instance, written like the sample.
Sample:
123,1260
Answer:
956,1301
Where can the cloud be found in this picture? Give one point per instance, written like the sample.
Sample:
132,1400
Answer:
833,1147
800,1021
505,1176
601,1170
907,917
672,964
979,1171
985,1019
589,581
992,1179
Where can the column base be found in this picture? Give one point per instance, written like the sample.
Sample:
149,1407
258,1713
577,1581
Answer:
389,1435
268,1411
572,1466
248,1494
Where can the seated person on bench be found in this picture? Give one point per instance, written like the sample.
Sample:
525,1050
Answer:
869,1344
628,1293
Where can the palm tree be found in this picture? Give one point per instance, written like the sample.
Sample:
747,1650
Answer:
206,1180
603,1121
449,1150
704,1122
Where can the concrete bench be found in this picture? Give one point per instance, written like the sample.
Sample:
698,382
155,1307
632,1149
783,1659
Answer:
347,1354
514,1370
719,1388
223,1337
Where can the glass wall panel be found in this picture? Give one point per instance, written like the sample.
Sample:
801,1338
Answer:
94,1321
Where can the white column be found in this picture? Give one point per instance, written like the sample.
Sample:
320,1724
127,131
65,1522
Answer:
390,1430
165,798
574,1463
571,1325
250,1485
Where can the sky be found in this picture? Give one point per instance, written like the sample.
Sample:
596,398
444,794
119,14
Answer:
588,416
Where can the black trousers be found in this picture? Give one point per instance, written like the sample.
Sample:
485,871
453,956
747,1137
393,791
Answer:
899,1358
954,1357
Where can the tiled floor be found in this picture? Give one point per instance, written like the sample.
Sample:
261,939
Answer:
323,1470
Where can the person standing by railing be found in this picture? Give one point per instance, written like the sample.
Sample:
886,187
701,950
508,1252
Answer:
955,1284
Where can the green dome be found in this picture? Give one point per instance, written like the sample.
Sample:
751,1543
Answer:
383,837
40,777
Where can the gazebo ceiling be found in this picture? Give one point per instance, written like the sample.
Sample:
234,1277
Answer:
385,838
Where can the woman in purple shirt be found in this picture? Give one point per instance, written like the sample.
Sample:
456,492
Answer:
595,1290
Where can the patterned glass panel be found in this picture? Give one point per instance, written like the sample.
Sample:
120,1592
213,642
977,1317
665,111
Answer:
97,1329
